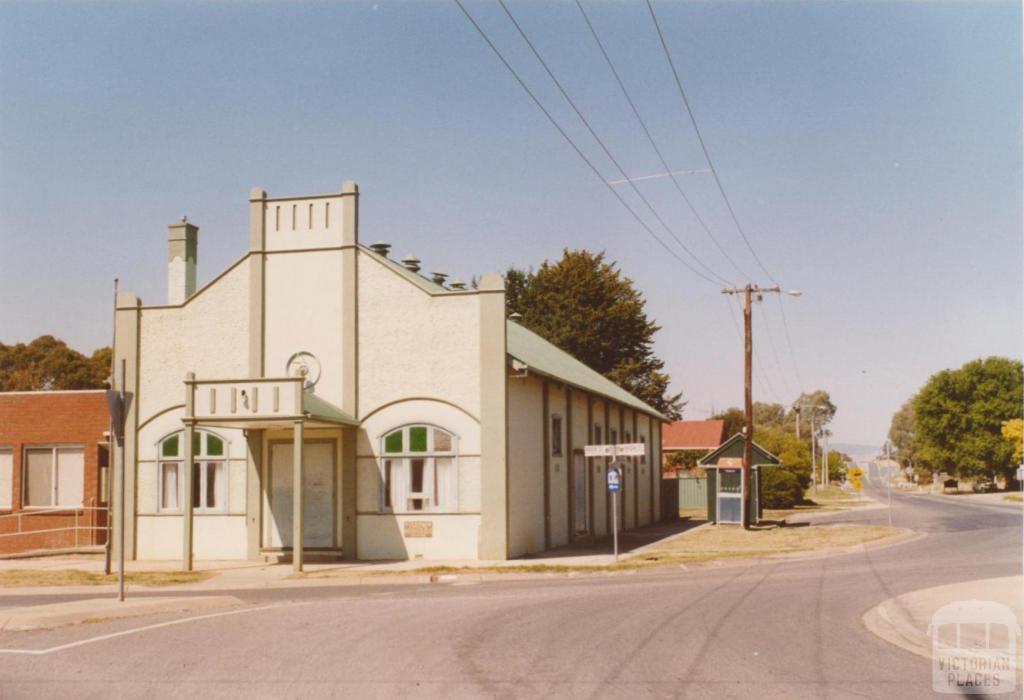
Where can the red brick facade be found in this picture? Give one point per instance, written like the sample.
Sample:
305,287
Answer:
53,419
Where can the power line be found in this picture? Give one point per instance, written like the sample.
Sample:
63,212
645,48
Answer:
601,143
703,146
576,148
650,138
721,188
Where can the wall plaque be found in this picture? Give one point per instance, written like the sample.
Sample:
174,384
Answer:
418,528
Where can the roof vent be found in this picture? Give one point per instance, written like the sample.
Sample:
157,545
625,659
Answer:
439,277
515,316
381,248
456,284
411,262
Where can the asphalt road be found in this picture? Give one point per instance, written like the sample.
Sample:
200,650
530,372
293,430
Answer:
762,630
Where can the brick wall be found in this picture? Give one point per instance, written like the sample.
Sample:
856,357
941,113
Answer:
30,419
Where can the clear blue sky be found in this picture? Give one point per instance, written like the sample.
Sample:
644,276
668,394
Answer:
871,150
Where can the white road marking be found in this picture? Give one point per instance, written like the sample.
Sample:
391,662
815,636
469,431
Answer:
134,630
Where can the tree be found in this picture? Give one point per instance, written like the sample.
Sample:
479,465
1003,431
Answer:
586,307
48,364
734,419
959,416
1013,430
822,413
902,433
780,489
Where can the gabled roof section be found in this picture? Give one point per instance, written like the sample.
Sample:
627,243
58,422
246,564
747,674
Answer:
542,357
693,435
733,448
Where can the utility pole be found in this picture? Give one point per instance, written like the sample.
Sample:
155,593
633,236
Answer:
748,291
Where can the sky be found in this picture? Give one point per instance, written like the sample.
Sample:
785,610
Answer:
871,152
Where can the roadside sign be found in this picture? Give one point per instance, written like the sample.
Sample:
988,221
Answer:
628,449
1020,473
631,449
614,479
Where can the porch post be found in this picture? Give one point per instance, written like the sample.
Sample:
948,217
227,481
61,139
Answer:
297,534
188,457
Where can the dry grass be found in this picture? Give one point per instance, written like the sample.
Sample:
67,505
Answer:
727,541
1015,497
827,499
703,545
75,577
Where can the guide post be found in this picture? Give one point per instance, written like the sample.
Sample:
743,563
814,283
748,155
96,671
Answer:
630,449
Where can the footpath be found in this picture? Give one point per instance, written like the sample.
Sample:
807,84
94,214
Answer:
905,621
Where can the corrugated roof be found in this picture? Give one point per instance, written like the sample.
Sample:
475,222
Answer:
318,409
543,357
693,435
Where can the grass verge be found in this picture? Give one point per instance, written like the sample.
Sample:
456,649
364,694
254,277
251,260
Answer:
704,545
16,578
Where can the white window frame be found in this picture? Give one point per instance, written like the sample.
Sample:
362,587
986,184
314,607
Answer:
7,500
54,478
202,460
401,468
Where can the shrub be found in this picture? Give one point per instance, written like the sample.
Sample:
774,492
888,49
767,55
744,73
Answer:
780,488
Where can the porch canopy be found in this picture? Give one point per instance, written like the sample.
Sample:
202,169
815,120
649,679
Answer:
256,404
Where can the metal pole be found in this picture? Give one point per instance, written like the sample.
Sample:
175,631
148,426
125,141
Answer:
828,477
615,520
111,445
814,457
120,515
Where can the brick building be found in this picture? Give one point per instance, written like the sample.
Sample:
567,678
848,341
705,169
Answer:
53,455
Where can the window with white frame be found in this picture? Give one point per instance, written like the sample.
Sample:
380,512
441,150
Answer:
419,470
54,477
6,477
556,436
209,473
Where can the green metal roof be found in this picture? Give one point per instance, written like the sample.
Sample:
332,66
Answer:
733,447
318,409
544,358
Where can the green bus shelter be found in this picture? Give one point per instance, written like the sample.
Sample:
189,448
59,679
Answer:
724,467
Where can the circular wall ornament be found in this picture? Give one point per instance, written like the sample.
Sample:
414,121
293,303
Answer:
306,364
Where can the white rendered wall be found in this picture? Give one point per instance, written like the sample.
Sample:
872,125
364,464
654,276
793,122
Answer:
209,335
598,474
414,345
303,301
525,466
559,468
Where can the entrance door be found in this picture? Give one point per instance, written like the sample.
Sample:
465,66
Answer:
579,480
317,494
730,495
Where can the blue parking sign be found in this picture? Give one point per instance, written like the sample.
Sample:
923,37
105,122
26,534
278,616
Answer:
614,478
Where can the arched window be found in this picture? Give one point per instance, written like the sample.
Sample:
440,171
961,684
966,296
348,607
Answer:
419,470
209,473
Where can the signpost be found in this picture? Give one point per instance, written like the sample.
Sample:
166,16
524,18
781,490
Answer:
628,449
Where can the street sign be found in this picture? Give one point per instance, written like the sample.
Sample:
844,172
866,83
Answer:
614,479
628,449
1020,473
599,450
631,449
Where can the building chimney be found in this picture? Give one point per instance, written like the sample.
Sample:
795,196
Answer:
457,284
411,262
439,277
182,251
381,248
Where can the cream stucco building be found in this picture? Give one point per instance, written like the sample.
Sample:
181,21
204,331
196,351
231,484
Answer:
334,400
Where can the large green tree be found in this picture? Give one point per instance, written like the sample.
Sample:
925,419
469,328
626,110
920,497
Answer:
959,416
902,434
48,364
588,308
